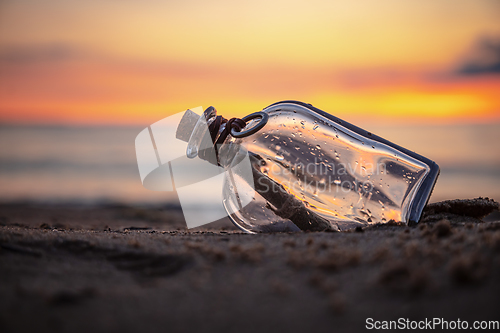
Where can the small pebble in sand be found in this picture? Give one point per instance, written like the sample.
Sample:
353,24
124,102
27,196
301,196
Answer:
442,228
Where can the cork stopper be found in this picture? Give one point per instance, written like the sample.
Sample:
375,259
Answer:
186,125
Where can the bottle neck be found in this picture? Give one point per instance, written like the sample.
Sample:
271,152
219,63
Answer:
212,130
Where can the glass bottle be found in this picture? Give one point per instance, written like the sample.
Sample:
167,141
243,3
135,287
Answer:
309,170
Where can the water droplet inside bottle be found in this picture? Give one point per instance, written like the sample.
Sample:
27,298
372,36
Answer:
315,127
279,157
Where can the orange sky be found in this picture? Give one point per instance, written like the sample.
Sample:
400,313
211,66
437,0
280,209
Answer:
124,62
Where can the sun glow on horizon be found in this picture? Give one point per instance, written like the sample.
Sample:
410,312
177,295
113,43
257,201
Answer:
100,62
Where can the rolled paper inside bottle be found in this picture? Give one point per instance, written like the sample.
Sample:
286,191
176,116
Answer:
286,205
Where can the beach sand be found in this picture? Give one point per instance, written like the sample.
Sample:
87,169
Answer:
115,268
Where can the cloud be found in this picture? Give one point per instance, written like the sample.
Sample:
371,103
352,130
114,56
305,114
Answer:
483,58
15,54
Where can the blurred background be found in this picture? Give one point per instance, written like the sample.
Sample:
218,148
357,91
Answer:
80,79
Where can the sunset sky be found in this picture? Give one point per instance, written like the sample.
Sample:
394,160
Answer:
128,62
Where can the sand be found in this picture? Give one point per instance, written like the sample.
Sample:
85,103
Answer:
115,268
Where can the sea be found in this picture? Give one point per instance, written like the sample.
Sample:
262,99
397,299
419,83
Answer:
97,164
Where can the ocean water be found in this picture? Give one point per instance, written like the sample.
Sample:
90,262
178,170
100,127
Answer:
98,164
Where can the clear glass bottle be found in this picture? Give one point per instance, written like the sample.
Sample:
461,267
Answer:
313,171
